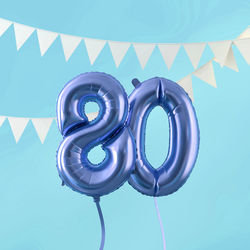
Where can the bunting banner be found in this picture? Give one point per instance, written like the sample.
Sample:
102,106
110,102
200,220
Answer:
222,50
41,125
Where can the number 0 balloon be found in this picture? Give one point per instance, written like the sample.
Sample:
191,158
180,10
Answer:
184,136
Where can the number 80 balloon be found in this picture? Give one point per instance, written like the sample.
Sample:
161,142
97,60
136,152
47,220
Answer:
112,128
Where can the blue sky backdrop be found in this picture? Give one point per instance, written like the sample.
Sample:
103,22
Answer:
211,211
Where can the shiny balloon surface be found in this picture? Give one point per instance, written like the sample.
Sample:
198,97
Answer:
184,136
120,129
81,135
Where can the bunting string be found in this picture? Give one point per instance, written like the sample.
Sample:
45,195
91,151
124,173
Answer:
222,50
41,125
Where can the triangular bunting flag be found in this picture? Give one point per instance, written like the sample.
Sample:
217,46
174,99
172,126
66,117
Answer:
92,116
143,52
206,73
230,60
244,34
18,125
45,39
244,47
42,126
220,50
118,50
94,47
169,52
2,119
4,25
194,52
69,44
22,33
186,84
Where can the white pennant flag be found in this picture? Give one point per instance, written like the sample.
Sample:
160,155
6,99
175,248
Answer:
143,52
45,39
244,47
18,125
4,25
22,33
194,52
69,44
220,50
2,119
94,47
42,126
244,34
230,61
118,50
206,73
92,116
186,84
169,52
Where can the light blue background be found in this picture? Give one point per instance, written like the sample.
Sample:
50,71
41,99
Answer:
211,211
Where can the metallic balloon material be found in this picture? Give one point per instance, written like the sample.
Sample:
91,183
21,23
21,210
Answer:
184,136
80,135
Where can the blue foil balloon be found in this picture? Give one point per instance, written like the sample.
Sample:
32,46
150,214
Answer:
80,135
184,136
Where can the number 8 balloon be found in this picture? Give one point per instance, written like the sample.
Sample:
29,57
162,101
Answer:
184,136
80,135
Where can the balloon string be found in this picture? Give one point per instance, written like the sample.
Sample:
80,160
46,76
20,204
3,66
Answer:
160,221
97,202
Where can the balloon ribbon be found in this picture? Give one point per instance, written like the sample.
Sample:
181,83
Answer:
160,221
97,202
